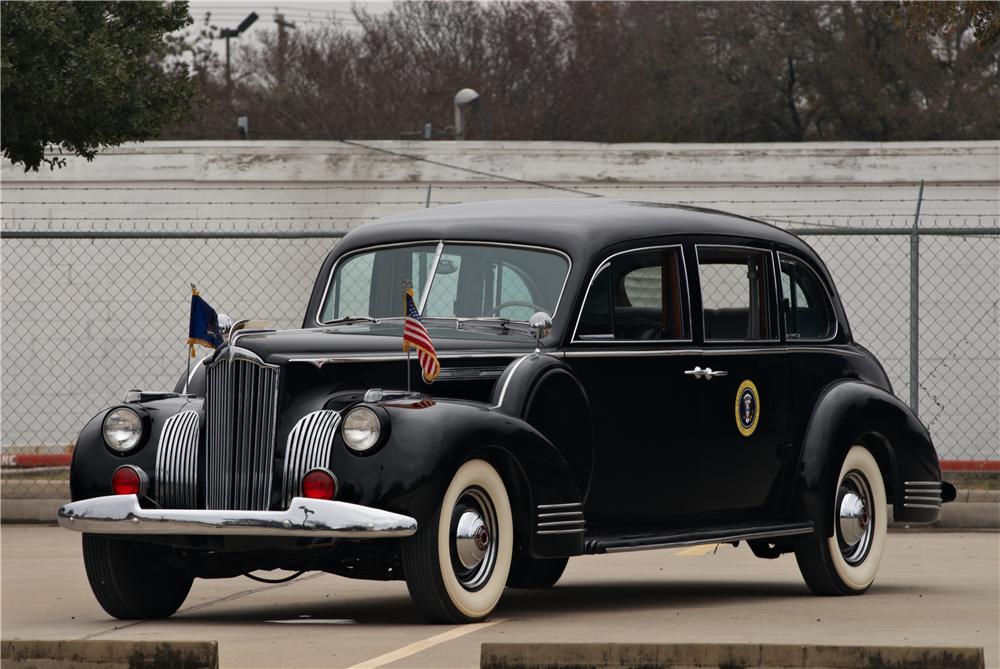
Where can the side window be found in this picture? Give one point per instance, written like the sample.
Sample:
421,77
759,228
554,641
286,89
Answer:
637,296
807,309
737,294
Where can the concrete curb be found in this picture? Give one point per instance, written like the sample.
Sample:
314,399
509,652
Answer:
30,510
100,654
745,656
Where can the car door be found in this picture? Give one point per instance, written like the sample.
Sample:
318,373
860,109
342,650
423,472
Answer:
741,381
630,346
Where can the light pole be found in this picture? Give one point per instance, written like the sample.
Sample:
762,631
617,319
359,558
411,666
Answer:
463,99
227,33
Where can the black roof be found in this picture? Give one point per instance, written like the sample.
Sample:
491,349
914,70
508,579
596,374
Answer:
579,226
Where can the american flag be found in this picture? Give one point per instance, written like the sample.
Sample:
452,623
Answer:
415,335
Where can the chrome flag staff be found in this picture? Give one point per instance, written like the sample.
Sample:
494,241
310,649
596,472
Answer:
416,335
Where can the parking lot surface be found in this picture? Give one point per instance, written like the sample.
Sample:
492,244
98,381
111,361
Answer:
933,589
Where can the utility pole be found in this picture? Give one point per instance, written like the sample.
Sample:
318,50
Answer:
279,19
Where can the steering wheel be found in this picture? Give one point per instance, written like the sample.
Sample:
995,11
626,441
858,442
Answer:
515,303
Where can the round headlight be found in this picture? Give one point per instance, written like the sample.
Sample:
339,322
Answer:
122,429
361,429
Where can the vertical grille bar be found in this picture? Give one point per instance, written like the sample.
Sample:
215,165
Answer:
241,410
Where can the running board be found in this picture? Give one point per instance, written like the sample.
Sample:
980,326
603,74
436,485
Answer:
596,545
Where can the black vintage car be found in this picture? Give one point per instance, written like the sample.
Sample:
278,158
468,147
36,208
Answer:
615,376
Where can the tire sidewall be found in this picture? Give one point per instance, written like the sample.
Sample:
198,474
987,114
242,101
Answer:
478,604
859,578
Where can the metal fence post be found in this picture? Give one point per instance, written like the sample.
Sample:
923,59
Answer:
915,305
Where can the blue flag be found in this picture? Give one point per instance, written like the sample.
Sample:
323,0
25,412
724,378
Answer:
204,326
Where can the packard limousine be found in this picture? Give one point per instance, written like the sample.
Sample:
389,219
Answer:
597,376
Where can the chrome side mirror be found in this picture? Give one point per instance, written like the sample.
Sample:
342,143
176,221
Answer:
541,323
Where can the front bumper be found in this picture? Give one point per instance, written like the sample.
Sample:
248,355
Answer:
121,514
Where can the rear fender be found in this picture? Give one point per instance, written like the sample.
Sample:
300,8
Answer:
852,412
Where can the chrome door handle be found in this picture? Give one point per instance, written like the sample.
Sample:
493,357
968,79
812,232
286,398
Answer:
707,373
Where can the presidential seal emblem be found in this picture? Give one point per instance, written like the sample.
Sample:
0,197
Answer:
747,408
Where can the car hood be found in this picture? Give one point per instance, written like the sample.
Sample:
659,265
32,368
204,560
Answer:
372,340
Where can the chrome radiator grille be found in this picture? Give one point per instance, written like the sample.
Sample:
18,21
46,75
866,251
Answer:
176,479
241,399
309,446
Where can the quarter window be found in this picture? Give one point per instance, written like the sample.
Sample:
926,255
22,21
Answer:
737,294
637,296
808,312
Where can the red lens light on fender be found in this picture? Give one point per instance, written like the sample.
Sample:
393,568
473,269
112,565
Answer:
319,484
128,480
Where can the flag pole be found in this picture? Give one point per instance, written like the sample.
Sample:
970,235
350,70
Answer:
407,287
187,356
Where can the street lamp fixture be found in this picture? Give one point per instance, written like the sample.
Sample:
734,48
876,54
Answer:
463,100
228,33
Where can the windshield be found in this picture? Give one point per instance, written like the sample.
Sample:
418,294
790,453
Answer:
467,281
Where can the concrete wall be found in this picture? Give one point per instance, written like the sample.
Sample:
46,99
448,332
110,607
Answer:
84,320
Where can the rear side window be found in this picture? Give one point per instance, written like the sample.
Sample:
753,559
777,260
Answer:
637,296
737,294
804,301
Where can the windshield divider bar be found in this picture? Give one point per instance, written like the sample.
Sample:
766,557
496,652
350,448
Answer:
425,293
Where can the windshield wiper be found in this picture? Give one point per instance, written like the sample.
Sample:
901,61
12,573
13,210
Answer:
496,324
352,319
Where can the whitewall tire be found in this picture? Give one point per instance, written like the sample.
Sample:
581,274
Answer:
847,562
456,566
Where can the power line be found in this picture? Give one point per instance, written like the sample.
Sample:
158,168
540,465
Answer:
464,169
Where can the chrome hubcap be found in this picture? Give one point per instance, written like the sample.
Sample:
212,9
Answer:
855,526
473,544
471,539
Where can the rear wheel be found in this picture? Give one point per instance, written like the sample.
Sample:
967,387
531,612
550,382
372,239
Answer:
847,562
133,580
457,564
529,572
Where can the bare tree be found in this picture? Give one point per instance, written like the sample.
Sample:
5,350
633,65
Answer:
627,72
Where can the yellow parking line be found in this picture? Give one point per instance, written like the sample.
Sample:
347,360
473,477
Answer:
424,644
695,551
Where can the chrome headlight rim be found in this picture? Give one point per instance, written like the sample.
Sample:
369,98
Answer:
141,420
377,416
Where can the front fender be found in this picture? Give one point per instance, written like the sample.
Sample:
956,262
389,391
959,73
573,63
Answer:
93,463
543,390
429,441
852,412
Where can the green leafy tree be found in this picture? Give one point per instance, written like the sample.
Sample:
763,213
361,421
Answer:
83,76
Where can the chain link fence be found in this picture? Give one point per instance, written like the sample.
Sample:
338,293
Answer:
94,305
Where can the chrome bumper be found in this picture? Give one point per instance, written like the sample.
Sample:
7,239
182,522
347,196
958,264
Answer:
121,514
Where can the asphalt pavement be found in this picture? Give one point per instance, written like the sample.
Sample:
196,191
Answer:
935,588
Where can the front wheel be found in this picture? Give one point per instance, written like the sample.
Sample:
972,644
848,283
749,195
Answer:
846,563
456,565
133,580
